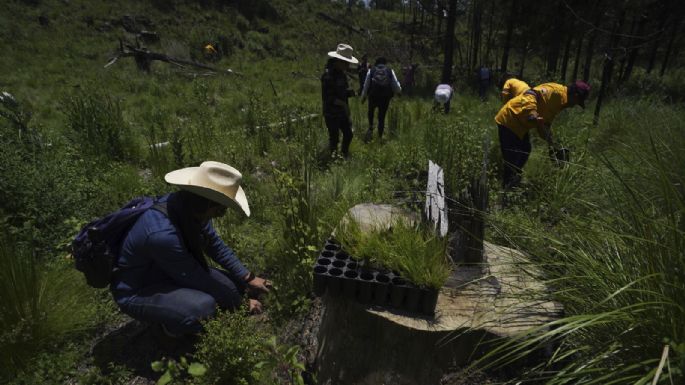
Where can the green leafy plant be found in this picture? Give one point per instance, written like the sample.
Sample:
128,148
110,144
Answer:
281,364
173,370
230,348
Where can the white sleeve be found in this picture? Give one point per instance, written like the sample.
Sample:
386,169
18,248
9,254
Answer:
396,88
367,82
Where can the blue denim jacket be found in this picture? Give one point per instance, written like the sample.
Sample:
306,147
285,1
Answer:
153,252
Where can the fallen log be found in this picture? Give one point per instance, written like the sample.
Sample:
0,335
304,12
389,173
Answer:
144,58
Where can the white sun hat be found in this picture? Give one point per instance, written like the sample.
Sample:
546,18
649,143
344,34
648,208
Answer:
215,181
344,52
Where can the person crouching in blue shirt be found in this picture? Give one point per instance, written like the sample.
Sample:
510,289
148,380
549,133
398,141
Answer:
162,276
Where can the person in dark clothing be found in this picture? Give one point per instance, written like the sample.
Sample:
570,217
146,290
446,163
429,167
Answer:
380,86
162,276
362,69
334,93
484,75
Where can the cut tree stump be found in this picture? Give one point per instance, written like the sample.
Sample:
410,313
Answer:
360,344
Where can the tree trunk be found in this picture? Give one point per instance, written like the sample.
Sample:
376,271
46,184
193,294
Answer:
606,77
510,32
488,44
449,42
591,42
625,75
476,31
564,63
524,53
554,42
608,65
669,48
576,62
657,40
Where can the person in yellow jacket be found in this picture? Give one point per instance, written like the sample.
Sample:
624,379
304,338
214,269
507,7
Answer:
535,108
512,88
210,52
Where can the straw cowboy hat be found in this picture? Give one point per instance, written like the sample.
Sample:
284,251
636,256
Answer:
216,181
344,52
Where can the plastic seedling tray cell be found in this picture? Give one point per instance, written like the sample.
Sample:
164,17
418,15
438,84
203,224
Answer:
335,281
339,264
381,289
350,284
320,278
342,255
398,291
323,262
412,298
366,284
429,299
331,247
327,254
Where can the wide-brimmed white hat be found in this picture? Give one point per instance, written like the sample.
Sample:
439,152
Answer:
216,181
344,52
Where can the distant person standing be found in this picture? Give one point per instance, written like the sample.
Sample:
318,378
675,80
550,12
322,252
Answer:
380,86
513,87
443,96
362,69
484,75
334,93
409,80
535,108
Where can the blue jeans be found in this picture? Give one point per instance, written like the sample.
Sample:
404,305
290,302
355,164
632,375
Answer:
181,309
515,153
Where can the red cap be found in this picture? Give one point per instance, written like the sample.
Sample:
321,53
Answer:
581,89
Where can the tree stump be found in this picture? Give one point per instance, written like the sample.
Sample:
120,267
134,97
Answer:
371,345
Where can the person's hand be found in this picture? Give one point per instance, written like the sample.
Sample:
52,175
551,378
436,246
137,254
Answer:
254,306
258,286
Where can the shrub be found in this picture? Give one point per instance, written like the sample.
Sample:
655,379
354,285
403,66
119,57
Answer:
231,348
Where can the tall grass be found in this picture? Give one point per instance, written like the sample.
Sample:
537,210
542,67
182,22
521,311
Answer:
38,305
614,258
97,124
412,249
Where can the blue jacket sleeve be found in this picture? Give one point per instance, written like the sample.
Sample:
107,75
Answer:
223,255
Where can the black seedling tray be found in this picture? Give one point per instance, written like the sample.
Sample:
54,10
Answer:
340,274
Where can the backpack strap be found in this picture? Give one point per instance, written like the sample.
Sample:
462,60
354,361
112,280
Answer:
161,207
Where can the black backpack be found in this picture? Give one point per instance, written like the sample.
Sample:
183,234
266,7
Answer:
96,247
381,78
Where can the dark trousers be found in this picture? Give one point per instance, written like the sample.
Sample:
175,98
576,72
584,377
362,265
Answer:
181,309
483,86
335,125
515,153
382,104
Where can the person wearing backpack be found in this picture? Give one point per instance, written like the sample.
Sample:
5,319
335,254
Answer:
162,276
380,86
335,91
